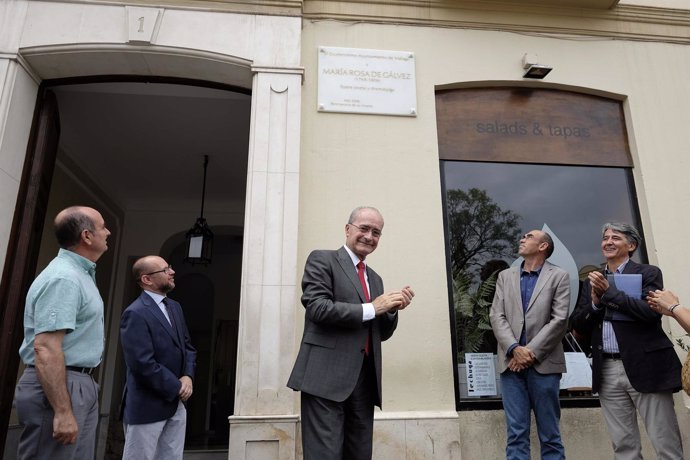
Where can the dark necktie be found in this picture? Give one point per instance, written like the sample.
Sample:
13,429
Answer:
170,316
360,273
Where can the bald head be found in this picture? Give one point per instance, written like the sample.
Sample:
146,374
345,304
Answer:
359,209
153,273
536,244
82,230
146,264
70,223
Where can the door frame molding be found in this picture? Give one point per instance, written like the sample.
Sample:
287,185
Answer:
24,241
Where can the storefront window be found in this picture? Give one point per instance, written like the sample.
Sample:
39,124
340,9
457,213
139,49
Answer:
488,207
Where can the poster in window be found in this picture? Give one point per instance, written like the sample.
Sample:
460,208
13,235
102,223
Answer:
481,374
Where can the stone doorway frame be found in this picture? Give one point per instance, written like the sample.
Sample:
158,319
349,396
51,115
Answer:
269,275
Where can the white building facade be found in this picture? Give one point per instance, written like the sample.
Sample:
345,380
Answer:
297,172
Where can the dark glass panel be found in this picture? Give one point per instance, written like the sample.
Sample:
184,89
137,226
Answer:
488,207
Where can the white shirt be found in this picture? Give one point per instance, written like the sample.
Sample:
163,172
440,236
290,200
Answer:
609,341
159,301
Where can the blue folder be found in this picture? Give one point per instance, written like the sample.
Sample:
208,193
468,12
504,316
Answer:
631,285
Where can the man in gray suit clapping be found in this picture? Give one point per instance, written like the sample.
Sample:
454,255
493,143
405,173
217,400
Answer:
338,367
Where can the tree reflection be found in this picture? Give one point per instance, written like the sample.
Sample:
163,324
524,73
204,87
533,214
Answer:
482,235
479,230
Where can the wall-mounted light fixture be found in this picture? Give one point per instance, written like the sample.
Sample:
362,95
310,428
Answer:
533,69
199,239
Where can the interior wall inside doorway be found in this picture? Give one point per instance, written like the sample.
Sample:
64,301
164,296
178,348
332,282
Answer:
210,299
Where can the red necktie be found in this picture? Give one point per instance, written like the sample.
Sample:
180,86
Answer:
360,273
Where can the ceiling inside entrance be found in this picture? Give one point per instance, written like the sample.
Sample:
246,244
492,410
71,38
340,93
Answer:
143,143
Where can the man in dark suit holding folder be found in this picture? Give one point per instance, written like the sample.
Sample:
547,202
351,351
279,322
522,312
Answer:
635,367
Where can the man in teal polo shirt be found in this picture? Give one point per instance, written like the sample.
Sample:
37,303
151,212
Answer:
63,342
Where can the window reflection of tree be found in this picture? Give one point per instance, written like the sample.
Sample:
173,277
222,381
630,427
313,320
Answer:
490,271
479,230
481,236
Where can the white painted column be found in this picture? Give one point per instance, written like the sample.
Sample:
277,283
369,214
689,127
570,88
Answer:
17,101
264,424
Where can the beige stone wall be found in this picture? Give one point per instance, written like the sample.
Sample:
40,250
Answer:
392,163
679,4
636,52
482,435
663,20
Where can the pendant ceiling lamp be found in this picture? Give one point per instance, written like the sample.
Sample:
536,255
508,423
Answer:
199,239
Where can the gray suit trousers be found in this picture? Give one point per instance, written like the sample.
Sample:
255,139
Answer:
36,417
163,440
619,402
341,430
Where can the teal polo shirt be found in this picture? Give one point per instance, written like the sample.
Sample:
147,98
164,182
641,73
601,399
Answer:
64,296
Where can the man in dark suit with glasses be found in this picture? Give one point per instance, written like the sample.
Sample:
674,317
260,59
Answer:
338,368
160,366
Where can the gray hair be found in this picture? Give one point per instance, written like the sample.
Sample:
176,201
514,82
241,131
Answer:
631,234
355,212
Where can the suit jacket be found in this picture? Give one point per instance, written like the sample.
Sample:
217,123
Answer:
649,359
156,356
331,353
545,320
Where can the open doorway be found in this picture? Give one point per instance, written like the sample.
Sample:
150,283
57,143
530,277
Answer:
136,148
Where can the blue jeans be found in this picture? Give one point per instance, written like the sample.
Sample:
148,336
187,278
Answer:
528,391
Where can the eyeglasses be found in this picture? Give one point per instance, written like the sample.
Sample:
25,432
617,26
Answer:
166,270
375,232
